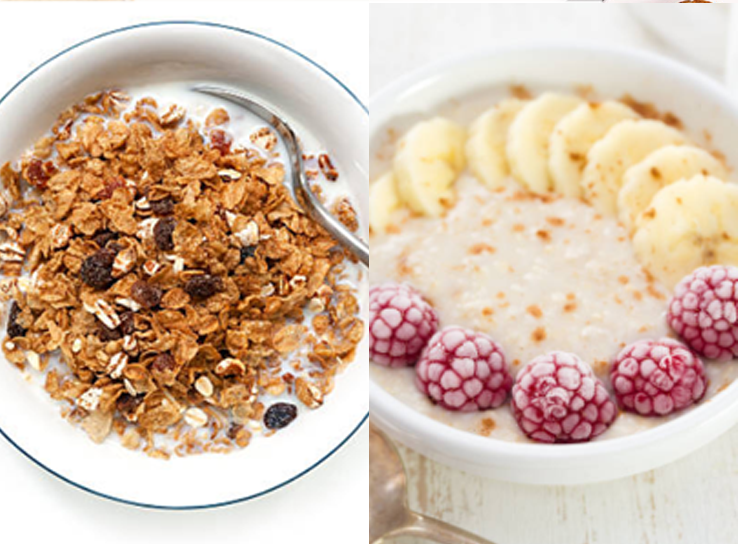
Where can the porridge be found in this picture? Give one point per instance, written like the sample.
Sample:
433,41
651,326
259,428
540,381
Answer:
538,231
161,280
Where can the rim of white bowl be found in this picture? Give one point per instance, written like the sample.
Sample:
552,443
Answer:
388,411
332,78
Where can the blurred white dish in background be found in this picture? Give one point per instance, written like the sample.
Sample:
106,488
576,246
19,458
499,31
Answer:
701,35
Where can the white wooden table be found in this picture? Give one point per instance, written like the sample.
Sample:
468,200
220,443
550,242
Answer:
692,501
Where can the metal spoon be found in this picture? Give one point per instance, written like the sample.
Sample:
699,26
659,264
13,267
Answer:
389,515
300,185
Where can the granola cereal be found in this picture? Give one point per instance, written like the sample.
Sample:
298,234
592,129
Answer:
165,281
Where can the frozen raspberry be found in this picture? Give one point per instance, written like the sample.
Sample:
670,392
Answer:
657,377
703,311
400,324
557,398
463,370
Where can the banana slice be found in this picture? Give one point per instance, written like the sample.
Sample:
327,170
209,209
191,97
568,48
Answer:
573,137
689,223
659,169
383,201
485,149
529,136
426,164
624,145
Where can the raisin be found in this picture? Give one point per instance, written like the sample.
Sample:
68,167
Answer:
97,269
246,252
163,233
14,328
127,326
108,335
233,430
37,173
221,141
165,206
203,286
127,404
145,294
163,363
280,415
163,369
102,237
110,187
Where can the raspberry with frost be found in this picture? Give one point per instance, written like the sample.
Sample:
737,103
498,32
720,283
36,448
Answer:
401,322
703,311
557,398
657,377
463,370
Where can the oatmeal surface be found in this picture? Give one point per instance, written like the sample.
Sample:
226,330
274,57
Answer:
537,274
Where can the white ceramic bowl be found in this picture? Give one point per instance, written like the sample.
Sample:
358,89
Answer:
701,104
311,100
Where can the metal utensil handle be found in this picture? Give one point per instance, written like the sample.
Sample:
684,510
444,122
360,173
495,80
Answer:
304,194
439,531
315,207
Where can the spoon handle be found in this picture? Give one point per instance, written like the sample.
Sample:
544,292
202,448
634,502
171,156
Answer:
439,531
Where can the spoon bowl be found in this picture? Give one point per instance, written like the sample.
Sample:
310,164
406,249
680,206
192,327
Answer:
388,510
389,515
298,180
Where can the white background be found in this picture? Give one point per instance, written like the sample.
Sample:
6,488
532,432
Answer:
692,501
328,505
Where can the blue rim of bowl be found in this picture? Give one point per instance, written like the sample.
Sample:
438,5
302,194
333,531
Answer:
363,420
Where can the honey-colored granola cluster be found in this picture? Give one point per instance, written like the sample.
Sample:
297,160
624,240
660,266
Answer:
174,275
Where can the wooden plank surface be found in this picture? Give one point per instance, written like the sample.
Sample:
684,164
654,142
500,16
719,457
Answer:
693,500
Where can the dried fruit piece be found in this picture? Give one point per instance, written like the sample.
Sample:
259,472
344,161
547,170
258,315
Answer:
103,237
108,335
97,269
221,141
163,230
163,368
247,252
37,173
280,415
111,186
127,325
203,286
165,206
15,329
147,295
127,405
